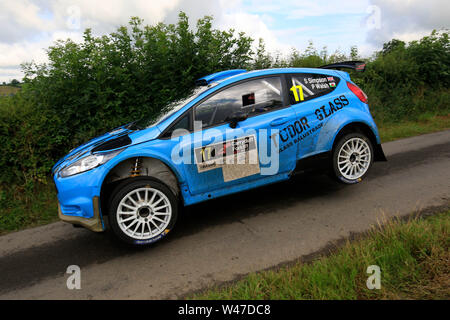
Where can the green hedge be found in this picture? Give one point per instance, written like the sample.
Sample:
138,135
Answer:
403,81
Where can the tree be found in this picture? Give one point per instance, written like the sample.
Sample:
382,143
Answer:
14,83
393,45
354,55
262,59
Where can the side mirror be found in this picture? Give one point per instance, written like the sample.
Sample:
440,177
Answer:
237,117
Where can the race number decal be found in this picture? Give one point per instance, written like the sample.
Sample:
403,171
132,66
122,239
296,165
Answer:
298,96
238,158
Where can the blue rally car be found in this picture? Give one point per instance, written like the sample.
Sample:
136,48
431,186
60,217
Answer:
238,130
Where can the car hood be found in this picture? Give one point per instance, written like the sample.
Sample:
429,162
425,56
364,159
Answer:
101,142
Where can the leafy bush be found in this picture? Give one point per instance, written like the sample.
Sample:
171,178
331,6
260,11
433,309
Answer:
27,150
403,81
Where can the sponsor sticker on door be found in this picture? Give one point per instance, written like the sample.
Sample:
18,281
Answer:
238,158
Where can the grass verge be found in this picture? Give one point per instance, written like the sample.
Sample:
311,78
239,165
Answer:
20,209
413,256
7,90
427,123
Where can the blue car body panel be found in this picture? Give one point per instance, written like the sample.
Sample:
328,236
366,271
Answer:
75,193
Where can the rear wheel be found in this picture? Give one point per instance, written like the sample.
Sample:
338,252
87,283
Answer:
142,211
352,158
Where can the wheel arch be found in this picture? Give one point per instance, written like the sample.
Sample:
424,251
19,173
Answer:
365,129
134,167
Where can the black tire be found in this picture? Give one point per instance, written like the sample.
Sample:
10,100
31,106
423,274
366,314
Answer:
132,185
358,159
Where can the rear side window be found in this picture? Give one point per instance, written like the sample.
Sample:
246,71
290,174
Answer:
252,97
307,86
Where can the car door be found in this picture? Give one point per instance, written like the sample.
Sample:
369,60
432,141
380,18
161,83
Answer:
224,156
310,95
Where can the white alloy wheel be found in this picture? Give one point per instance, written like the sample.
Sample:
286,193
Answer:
354,158
144,213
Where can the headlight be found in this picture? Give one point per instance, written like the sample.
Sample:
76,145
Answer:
88,163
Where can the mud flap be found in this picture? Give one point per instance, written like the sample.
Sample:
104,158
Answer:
379,153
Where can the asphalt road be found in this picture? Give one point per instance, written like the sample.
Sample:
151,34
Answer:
223,239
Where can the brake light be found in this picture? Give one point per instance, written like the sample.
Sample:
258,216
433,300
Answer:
358,92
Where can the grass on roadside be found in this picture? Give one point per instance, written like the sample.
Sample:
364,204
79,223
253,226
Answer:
413,256
21,209
427,123
7,90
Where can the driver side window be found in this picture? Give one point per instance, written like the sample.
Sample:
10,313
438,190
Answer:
252,97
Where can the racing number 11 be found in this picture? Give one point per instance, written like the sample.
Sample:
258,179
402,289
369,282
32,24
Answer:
296,95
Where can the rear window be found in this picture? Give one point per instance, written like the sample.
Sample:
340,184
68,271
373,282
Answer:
307,86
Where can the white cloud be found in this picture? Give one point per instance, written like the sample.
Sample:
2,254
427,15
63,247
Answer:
302,9
408,19
21,19
298,9
28,27
41,23
17,53
14,54
107,15
253,26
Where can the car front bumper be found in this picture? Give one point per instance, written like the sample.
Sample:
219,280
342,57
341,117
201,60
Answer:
79,199
94,224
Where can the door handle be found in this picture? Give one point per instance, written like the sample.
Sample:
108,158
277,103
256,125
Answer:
279,121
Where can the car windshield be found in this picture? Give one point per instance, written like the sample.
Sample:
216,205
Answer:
171,108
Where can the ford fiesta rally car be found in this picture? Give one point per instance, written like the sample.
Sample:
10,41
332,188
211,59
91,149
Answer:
238,130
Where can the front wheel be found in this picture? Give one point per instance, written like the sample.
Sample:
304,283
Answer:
352,158
142,211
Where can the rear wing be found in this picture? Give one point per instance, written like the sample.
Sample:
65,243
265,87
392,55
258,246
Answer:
359,66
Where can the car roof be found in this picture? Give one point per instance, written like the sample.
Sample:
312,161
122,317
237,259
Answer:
235,75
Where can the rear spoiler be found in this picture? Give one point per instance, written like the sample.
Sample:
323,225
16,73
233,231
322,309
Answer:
359,66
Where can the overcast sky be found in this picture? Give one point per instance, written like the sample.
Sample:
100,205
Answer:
27,27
